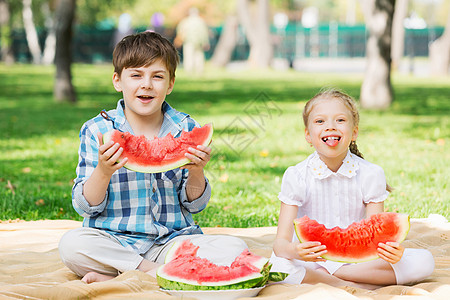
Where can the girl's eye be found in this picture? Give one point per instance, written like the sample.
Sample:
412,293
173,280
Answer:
341,120
319,121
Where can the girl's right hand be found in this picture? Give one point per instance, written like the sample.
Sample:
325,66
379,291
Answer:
108,155
311,251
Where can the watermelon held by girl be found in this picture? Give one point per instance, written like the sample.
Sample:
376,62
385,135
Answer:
359,241
184,270
159,154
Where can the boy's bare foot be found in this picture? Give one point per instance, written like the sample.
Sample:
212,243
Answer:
95,277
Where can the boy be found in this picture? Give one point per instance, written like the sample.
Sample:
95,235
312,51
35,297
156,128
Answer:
131,218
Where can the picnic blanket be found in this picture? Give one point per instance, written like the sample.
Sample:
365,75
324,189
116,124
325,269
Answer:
30,267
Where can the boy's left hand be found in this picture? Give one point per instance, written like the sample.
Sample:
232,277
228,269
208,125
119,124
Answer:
199,157
391,252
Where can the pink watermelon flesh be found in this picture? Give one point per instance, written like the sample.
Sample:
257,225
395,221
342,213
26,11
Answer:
359,241
159,154
184,270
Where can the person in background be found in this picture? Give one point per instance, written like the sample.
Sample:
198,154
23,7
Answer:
193,35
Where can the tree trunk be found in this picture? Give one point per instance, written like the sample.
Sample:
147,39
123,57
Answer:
440,52
48,56
227,42
256,25
30,31
5,33
63,88
376,89
398,32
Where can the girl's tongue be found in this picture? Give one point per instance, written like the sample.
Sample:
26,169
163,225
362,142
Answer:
332,141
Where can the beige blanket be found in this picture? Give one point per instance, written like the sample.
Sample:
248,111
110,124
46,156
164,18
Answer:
30,267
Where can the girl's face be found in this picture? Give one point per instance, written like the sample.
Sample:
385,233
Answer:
330,130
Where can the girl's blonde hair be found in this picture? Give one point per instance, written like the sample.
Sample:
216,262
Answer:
332,93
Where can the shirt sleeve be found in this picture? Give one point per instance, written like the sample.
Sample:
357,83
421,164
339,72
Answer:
87,161
292,187
198,204
373,184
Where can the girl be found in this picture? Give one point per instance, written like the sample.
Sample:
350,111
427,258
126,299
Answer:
337,187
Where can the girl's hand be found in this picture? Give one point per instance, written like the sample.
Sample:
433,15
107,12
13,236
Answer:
311,251
391,252
199,157
108,155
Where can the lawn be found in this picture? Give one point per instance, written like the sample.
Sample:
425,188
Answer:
258,134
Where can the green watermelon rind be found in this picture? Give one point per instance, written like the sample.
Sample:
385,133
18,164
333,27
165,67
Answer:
405,225
277,276
157,169
182,284
253,280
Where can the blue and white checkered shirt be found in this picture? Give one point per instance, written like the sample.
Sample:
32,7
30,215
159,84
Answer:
139,209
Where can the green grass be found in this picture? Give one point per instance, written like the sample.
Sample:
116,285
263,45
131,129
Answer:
258,134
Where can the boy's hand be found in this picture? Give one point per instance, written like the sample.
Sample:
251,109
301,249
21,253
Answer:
311,251
108,155
199,157
391,252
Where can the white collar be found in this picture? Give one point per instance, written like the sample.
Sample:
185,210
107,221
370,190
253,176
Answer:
320,170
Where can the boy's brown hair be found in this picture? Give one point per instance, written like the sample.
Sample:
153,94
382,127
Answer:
142,49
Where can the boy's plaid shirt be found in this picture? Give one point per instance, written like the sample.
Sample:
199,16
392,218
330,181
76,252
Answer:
140,209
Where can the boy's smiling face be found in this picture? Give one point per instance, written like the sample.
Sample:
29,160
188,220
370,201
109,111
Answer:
144,88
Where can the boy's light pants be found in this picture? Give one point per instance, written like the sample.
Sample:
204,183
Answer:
88,249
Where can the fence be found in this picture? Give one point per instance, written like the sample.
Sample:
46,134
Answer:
91,45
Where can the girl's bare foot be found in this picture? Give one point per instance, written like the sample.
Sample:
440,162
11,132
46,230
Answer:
95,277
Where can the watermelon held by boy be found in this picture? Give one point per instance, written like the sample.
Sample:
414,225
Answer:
359,241
159,154
184,270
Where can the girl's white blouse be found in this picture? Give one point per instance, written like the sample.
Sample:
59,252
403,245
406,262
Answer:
333,199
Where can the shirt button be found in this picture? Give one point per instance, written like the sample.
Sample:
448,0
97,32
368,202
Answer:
154,190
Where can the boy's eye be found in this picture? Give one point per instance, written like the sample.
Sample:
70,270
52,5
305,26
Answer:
319,121
341,120
159,76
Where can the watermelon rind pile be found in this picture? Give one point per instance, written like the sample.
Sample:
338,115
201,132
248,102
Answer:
255,279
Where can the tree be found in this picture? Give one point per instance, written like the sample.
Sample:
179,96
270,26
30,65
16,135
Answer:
376,89
63,88
440,52
398,32
227,42
30,32
256,24
5,33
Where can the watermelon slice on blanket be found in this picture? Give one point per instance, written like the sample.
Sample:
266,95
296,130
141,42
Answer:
184,270
359,241
159,154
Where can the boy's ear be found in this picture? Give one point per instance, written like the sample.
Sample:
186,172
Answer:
171,84
116,82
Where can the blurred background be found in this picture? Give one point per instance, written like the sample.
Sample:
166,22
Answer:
301,31
262,60
303,35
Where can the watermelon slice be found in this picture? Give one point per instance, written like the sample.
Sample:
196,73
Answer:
184,270
159,154
359,241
